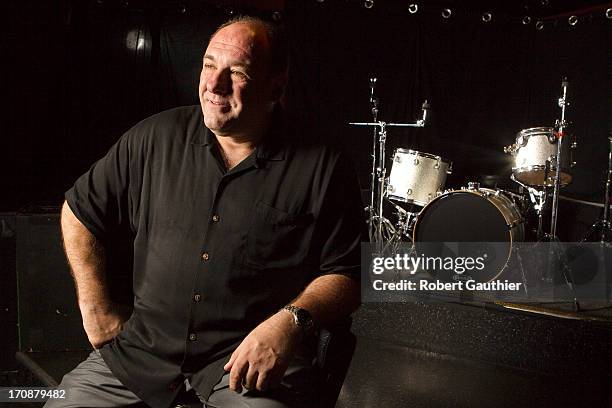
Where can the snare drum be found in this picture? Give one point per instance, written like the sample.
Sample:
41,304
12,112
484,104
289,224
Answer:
532,149
485,220
417,177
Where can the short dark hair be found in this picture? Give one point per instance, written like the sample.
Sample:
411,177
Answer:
279,48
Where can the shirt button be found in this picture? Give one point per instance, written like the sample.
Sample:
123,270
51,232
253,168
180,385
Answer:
216,218
205,256
193,337
197,297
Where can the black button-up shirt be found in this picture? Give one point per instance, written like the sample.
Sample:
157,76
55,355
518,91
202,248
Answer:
215,251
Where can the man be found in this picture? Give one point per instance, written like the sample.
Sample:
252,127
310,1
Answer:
231,223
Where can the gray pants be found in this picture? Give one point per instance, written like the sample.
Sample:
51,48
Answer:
92,384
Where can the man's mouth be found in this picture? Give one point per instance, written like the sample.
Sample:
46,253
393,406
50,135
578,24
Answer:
218,103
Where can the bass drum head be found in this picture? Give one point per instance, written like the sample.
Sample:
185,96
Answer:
461,216
466,224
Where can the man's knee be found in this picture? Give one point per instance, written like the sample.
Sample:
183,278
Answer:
92,384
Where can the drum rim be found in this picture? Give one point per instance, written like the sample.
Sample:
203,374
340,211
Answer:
539,167
478,192
534,131
422,154
409,201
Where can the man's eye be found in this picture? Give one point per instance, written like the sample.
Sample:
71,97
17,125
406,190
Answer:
239,74
209,66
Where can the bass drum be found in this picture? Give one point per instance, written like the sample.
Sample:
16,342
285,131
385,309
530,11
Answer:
468,223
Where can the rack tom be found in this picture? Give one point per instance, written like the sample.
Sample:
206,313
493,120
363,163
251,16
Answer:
533,148
417,177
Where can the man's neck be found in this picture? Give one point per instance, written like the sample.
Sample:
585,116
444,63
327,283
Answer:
235,149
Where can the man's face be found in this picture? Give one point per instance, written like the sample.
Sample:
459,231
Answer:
236,91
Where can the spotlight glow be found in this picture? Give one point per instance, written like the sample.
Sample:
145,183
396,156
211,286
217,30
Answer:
413,8
446,13
136,40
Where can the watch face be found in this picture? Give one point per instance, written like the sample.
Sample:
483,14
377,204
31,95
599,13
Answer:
303,317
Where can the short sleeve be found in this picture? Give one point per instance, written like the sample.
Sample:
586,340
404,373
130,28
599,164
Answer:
341,224
100,197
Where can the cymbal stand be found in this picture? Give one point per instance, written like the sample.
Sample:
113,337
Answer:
561,125
373,190
555,251
377,221
603,226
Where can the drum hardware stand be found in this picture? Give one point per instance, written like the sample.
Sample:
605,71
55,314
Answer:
523,276
376,219
541,197
561,125
374,105
538,200
405,219
603,227
552,236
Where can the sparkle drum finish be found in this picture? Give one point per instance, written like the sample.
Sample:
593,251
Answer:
417,177
533,147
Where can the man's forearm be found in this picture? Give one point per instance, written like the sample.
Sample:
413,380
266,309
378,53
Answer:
87,262
329,298
102,319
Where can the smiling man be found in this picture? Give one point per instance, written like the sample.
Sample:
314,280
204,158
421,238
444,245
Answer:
245,242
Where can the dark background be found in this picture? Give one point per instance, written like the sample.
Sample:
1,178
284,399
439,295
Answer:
78,74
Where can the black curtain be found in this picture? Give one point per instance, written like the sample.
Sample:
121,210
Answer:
81,73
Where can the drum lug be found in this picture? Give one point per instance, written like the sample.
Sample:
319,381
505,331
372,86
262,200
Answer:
473,185
416,161
397,158
409,192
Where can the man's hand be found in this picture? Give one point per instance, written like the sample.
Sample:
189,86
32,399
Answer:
262,358
102,324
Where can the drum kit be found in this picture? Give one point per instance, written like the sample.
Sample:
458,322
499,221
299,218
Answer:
426,211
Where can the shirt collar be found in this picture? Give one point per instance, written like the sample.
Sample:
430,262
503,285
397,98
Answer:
271,147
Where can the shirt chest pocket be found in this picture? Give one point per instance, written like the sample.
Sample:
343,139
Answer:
278,239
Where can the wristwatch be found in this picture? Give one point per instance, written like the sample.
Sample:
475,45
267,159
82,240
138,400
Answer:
301,317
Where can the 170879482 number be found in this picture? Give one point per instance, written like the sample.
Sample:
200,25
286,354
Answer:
30,394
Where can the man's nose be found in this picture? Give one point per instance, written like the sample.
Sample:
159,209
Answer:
219,82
